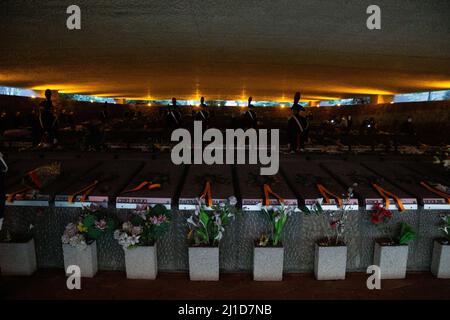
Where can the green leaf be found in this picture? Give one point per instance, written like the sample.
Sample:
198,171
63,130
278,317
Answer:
89,220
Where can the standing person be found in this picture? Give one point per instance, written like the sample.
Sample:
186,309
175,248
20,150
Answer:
104,116
298,126
173,116
48,120
250,117
202,115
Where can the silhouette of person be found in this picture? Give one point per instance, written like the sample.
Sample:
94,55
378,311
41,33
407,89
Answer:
48,120
104,116
298,126
202,115
173,116
250,116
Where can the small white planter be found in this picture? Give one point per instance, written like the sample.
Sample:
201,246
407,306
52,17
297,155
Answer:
440,265
204,263
392,260
330,262
18,258
141,263
85,259
268,263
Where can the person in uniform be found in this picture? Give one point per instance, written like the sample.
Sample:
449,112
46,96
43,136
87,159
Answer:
202,115
250,120
298,126
47,120
173,116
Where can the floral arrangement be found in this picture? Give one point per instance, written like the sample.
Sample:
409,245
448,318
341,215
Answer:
445,228
381,217
277,219
336,219
145,227
91,225
206,227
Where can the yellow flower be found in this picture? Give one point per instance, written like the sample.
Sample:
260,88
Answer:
82,228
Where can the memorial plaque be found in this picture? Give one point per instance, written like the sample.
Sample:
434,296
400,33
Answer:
220,179
100,185
348,173
143,189
251,186
305,177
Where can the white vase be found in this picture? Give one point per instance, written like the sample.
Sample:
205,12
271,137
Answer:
204,263
392,260
141,262
18,258
330,262
440,264
268,263
85,259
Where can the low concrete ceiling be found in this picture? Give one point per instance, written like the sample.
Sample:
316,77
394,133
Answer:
226,49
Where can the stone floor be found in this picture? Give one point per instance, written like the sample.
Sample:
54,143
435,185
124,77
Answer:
51,284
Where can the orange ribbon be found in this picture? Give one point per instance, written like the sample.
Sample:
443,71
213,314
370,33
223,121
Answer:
434,190
267,192
207,194
326,194
148,184
10,197
385,194
86,191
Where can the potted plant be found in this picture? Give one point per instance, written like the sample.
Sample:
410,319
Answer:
138,236
269,252
391,253
440,264
17,253
330,258
79,239
206,228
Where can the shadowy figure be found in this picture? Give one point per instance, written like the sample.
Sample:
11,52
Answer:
48,121
173,116
298,126
202,115
250,117
104,116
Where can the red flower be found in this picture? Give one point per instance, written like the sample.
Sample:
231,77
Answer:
334,224
376,218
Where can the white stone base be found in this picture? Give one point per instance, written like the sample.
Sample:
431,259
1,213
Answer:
85,259
141,263
330,262
392,261
268,264
18,258
440,265
204,263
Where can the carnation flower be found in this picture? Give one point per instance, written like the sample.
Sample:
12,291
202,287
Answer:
232,201
101,224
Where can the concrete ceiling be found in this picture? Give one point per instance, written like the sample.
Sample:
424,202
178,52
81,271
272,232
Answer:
226,49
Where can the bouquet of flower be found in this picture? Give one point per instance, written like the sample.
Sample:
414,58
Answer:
206,227
381,218
277,220
145,227
336,219
91,225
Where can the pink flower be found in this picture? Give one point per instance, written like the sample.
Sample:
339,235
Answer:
101,224
157,220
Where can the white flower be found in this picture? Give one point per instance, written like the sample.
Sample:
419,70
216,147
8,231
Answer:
137,230
232,201
190,220
127,226
222,205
